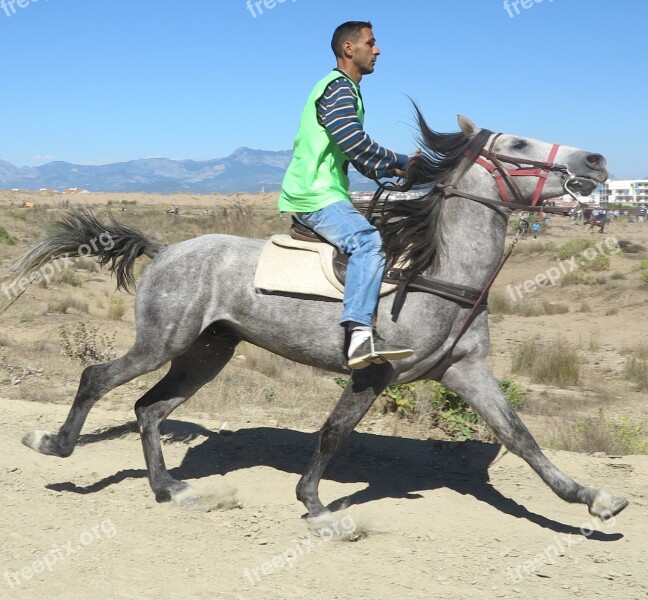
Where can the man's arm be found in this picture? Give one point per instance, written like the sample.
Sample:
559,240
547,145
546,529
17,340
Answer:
336,111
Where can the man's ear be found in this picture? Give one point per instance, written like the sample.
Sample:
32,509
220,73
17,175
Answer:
469,129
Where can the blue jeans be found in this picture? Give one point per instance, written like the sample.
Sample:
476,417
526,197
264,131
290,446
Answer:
344,227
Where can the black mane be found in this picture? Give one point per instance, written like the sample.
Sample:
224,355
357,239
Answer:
411,229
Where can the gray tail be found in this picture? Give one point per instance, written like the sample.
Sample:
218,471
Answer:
79,233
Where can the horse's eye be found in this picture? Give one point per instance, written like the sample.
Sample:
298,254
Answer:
519,145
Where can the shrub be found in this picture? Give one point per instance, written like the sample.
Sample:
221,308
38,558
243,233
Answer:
452,415
555,363
529,247
86,345
18,215
69,277
640,352
499,304
513,392
573,248
442,407
5,238
401,398
528,308
637,372
431,400
598,263
87,264
576,278
555,308
116,307
63,303
603,434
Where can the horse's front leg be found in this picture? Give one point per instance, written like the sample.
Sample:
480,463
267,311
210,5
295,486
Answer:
473,380
363,388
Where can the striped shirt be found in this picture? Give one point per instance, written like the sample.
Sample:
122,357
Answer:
337,112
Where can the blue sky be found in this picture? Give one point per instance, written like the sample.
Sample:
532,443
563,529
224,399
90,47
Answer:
93,82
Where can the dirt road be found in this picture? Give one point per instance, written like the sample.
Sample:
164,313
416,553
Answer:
440,521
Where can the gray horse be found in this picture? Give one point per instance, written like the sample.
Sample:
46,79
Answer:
196,301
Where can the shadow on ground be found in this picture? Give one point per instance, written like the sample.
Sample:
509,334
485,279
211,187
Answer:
392,467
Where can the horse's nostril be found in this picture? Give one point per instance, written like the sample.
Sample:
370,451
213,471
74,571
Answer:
595,161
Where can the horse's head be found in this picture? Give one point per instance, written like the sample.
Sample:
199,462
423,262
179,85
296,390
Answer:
528,171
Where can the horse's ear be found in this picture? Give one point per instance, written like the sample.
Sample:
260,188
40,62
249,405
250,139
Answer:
470,130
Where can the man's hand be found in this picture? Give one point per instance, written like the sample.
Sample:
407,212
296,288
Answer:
400,172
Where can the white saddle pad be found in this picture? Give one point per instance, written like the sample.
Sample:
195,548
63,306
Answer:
293,266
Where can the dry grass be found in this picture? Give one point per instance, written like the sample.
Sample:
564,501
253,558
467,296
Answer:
555,308
637,371
502,304
87,264
63,303
640,352
259,383
527,247
594,344
601,433
554,363
116,307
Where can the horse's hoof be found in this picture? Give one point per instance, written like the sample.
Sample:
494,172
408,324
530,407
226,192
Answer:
605,506
43,442
337,527
188,499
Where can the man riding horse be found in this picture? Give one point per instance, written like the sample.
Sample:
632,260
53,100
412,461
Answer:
316,185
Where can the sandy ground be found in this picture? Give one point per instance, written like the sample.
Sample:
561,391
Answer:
440,521
447,519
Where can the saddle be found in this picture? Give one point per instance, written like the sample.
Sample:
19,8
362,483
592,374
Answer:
340,260
305,263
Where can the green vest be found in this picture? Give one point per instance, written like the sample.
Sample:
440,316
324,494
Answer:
316,176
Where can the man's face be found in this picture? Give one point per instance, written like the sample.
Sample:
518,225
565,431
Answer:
365,51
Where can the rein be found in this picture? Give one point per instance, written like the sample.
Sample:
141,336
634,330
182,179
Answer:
493,162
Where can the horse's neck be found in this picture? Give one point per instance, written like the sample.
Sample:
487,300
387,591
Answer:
474,235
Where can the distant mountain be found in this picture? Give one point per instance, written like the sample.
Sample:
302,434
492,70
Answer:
245,170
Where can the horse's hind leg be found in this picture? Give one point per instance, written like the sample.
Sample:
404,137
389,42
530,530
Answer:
96,381
475,383
360,393
188,373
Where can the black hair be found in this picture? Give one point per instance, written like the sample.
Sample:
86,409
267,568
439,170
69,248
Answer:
348,31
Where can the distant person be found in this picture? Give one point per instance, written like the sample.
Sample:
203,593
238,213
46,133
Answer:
536,230
316,185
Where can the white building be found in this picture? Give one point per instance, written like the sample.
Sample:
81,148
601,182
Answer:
633,192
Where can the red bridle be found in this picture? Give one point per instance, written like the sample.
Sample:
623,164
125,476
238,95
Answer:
492,161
